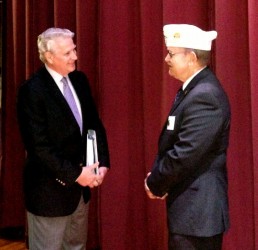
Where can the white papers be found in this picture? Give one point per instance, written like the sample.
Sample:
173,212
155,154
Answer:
92,150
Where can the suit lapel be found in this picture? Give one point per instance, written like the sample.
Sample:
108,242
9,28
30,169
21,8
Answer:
190,86
51,86
55,92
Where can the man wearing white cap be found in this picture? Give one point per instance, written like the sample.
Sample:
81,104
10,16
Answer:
190,167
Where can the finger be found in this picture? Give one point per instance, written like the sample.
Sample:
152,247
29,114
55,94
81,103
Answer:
152,197
96,164
93,166
96,183
99,181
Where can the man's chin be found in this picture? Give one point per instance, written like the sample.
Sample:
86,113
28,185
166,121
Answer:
72,68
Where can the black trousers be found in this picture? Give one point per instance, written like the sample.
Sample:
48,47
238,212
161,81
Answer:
185,242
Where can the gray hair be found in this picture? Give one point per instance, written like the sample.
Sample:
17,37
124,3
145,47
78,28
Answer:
46,39
203,56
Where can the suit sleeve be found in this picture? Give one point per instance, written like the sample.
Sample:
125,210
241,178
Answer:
201,123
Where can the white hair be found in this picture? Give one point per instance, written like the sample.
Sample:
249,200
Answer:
46,40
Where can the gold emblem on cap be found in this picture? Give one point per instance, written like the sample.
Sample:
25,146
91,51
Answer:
176,35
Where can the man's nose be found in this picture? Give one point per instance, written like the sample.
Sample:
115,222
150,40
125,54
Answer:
167,58
74,55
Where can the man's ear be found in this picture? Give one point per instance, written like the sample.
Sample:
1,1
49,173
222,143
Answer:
193,56
49,57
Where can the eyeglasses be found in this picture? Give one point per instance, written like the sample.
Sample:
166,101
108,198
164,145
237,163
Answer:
172,54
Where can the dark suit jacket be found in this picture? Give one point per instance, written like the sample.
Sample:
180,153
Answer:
54,145
191,161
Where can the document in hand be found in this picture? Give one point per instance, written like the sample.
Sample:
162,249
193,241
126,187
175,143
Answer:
92,150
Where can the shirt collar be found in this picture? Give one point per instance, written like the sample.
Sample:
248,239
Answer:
190,78
56,76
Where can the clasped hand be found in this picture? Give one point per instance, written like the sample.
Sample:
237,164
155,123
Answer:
88,176
149,193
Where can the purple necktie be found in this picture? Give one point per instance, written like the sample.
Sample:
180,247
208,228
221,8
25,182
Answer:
68,95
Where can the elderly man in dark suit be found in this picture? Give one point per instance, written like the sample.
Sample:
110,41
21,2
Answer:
190,167
55,111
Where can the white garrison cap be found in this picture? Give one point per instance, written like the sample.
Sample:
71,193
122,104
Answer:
188,36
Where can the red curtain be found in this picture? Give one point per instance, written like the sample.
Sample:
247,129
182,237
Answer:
235,66
121,49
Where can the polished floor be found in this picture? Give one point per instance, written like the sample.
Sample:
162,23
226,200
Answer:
12,239
12,245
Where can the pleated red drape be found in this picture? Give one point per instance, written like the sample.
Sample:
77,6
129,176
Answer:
234,69
253,94
121,49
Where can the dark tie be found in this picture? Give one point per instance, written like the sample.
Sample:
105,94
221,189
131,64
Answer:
70,100
179,94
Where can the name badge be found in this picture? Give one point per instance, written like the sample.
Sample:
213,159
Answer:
171,123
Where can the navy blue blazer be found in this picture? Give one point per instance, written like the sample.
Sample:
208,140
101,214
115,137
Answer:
191,162
54,145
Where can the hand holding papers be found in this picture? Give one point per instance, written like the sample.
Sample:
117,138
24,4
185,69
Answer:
92,150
